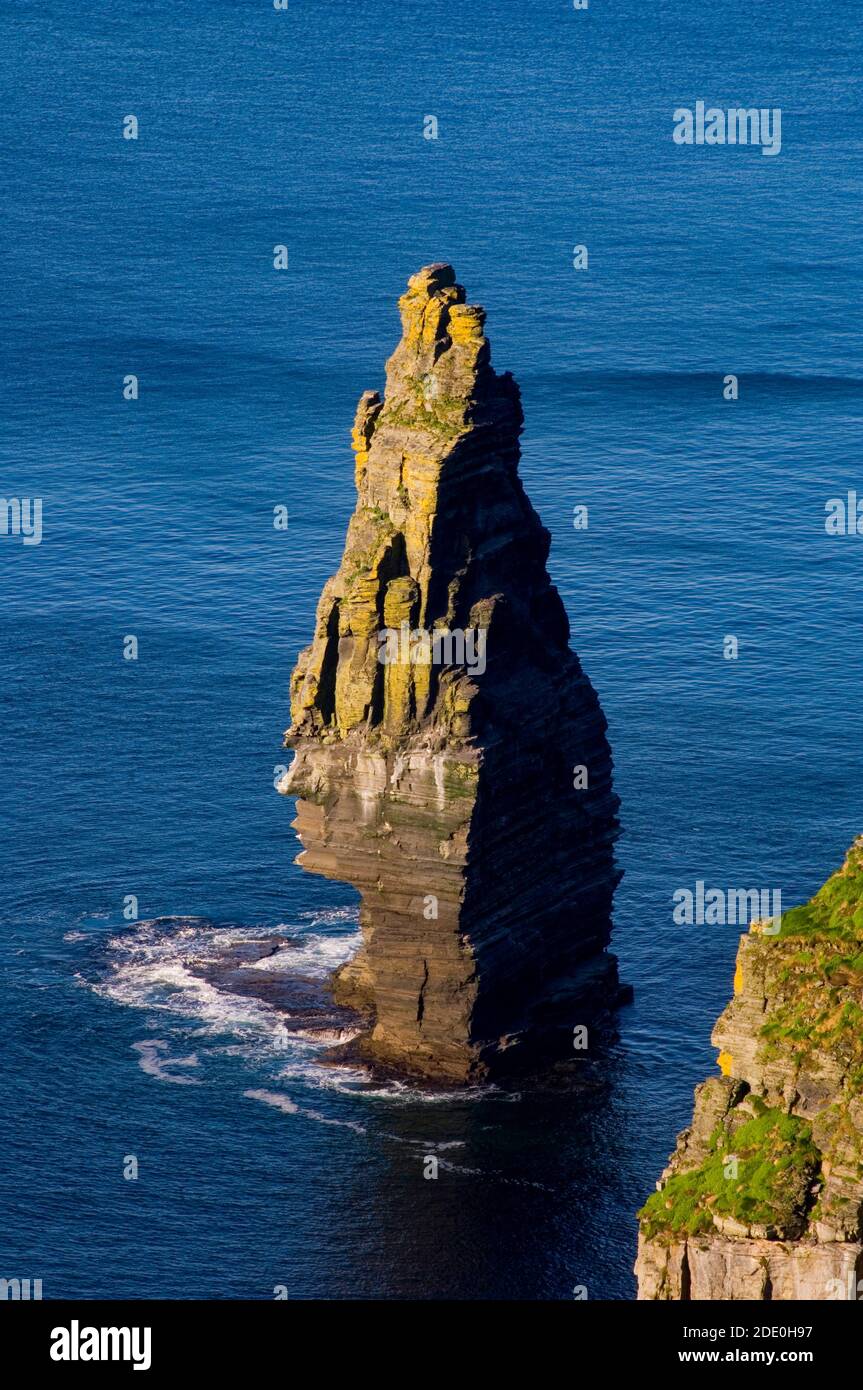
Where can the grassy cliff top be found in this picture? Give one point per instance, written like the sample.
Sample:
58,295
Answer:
785,1159
814,982
837,907
759,1177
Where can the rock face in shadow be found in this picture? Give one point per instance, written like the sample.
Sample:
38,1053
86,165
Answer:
763,1196
462,784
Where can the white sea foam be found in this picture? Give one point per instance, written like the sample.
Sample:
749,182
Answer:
282,1102
326,1036
424,1147
332,1120
168,984
153,1063
154,968
273,1098
310,954
358,1080
306,1070
154,965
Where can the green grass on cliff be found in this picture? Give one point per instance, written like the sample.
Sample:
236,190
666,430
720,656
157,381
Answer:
817,1017
816,982
777,1163
441,414
837,907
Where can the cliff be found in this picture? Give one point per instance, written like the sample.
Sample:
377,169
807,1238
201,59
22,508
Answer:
763,1197
439,722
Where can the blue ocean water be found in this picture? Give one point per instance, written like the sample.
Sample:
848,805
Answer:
256,1167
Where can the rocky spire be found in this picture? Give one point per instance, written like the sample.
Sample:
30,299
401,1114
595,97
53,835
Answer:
439,719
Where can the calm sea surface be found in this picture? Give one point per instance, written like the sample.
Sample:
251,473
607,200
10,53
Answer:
154,778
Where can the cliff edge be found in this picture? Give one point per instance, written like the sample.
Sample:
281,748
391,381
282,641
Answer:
763,1196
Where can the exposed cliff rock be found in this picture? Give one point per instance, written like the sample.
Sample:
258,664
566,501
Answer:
442,782
763,1197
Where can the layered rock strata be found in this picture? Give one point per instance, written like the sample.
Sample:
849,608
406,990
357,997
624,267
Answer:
462,784
763,1196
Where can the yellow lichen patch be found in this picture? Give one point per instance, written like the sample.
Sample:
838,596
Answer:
400,602
397,695
424,317
422,689
354,681
358,616
738,977
420,475
466,322
304,693
360,467
368,410
725,1062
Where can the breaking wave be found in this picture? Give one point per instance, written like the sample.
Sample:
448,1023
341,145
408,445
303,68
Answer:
166,967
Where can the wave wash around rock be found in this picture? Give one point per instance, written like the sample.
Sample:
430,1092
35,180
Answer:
763,1197
469,802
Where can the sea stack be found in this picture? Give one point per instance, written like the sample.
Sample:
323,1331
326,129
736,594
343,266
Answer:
763,1197
451,759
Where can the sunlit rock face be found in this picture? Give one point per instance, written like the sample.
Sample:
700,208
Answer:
451,756
763,1195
